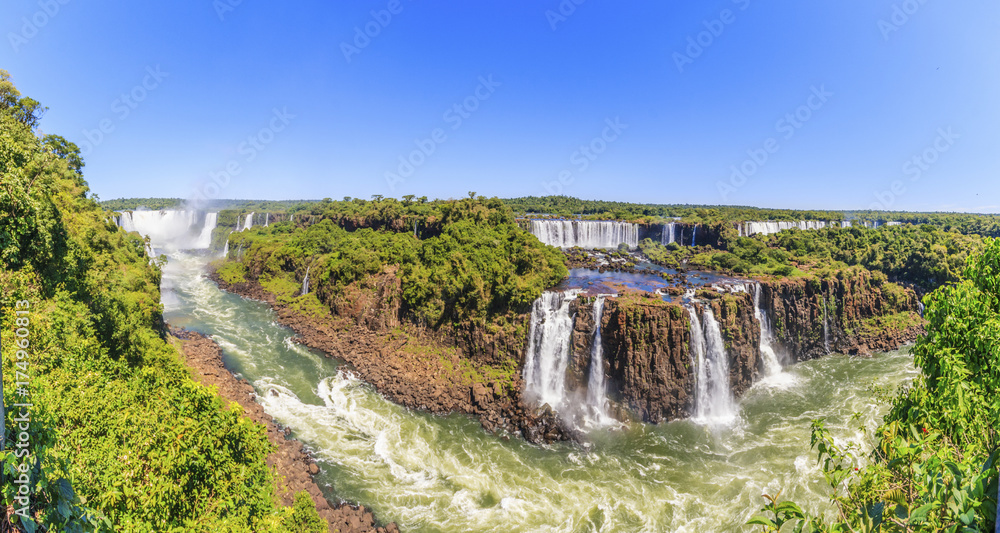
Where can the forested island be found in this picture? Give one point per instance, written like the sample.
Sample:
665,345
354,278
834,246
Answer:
529,334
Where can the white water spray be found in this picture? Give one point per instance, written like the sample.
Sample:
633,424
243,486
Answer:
713,396
549,348
172,229
596,387
305,281
826,327
772,365
590,234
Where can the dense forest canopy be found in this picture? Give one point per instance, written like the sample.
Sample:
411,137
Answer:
121,436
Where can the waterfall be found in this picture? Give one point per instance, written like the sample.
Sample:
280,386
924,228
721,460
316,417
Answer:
249,222
267,216
596,389
769,227
713,396
172,229
590,234
920,307
305,281
772,365
291,218
669,233
694,235
549,348
826,328
225,249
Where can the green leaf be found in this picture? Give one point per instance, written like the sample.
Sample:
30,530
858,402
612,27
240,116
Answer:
761,521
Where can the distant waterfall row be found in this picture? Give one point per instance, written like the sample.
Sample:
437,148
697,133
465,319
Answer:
774,226
769,227
589,234
172,229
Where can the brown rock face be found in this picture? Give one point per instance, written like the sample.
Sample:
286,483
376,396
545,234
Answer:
441,372
649,364
862,315
741,332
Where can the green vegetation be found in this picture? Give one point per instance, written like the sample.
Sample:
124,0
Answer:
925,256
259,206
934,461
565,206
121,438
479,263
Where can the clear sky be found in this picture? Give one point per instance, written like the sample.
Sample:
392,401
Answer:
818,104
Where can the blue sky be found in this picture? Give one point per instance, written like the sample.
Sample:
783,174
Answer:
821,104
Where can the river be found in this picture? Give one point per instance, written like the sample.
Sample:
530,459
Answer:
446,474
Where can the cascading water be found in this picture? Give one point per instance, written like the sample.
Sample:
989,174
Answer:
225,249
549,348
590,234
768,227
772,365
172,229
826,327
305,281
249,222
713,395
669,233
267,216
596,388
694,235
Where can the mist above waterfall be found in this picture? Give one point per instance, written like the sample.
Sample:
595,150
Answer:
172,229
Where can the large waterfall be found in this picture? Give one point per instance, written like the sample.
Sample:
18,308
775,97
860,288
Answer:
596,388
589,234
172,229
769,227
249,222
772,365
713,395
549,348
670,234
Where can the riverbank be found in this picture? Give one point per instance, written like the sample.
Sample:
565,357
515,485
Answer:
412,369
293,464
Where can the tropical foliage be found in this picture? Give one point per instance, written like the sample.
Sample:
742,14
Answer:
478,264
933,465
120,437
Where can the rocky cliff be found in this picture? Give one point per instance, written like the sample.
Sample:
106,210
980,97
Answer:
856,313
647,342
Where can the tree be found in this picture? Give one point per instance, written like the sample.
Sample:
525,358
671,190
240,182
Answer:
59,146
